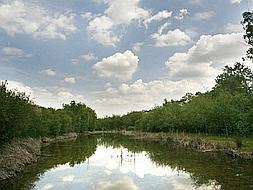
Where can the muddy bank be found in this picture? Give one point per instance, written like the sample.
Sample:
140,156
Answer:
22,152
16,155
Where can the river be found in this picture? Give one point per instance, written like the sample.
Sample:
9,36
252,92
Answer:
109,162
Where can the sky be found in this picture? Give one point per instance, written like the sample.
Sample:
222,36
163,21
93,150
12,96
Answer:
117,56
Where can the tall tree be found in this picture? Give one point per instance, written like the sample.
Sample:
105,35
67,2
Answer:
248,27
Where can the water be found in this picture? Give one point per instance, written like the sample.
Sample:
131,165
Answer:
117,162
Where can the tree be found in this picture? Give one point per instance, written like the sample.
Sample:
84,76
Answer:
235,79
248,27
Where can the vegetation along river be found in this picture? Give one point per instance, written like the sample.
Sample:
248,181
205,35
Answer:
106,162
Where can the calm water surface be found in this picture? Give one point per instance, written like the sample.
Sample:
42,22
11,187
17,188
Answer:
117,162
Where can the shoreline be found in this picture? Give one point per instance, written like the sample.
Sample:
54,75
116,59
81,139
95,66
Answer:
195,142
16,155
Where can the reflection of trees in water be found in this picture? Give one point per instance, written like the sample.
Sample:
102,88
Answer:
204,168
72,152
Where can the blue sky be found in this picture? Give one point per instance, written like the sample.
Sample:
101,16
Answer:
115,55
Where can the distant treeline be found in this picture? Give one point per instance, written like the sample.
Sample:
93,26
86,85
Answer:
19,117
225,110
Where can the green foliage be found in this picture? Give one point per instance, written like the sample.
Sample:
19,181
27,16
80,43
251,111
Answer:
19,117
248,27
226,110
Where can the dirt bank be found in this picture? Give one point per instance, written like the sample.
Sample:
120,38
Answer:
21,152
16,155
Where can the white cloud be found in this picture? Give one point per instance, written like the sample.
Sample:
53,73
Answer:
107,85
137,47
142,95
48,186
54,96
235,1
206,58
232,28
124,183
182,14
88,57
65,96
14,52
75,61
46,96
89,16
68,178
123,12
118,66
20,17
70,80
161,15
196,1
204,15
103,29
171,38
20,87
48,72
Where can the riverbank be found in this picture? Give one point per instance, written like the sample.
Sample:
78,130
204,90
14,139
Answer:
193,141
22,152
198,142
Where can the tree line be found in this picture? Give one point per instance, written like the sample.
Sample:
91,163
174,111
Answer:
20,117
225,110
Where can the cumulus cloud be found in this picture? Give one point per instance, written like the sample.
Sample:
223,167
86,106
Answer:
161,15
123,12
170,38
48,72
204,15
119,66
65,96
14,52
20,17
182,14
207,57
54,96
125,183
46,96
143,95
70,80
103,29
20,87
